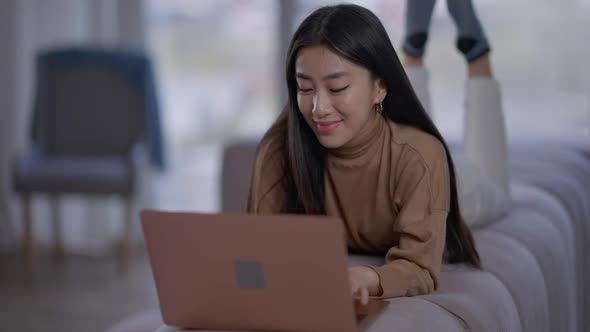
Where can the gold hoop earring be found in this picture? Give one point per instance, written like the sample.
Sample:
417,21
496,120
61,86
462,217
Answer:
379,108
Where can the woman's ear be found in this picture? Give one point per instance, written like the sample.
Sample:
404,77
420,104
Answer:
380,90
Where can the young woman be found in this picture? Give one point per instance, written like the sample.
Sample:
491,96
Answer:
355,142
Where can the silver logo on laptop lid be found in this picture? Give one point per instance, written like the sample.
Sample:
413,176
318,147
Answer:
250,274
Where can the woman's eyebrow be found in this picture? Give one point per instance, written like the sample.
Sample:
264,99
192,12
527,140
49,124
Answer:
325,78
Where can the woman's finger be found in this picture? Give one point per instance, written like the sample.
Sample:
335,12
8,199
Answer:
354,287
364,295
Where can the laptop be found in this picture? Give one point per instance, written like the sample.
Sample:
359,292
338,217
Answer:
253,272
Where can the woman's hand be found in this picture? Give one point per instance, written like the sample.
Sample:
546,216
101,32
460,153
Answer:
364,282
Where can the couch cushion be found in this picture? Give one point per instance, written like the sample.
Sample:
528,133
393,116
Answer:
478,297
564,174
540,234
238,161
512,263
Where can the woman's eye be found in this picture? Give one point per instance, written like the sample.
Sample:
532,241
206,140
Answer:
303,90
339,90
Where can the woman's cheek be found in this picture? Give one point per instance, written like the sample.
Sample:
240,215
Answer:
305,105
342,105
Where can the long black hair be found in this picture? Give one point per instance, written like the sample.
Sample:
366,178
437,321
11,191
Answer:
356,34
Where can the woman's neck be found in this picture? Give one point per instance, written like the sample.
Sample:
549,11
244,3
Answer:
361,146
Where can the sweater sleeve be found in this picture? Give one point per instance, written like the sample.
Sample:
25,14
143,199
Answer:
413,266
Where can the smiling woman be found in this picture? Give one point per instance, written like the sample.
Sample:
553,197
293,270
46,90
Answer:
355,142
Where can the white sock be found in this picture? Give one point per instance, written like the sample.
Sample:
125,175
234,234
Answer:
419,78
485,131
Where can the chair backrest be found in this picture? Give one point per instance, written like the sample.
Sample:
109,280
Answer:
89,101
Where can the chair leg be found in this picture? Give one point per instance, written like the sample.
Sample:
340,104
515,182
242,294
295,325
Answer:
126,241
58,244
27,241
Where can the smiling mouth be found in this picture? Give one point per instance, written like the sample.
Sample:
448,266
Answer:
327,126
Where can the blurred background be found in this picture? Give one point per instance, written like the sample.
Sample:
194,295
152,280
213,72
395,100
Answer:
218,77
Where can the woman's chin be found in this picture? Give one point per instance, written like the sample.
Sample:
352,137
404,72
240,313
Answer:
331,141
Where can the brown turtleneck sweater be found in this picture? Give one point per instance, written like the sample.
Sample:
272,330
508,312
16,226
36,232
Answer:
390,187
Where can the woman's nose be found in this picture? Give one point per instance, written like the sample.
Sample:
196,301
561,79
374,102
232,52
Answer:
321,105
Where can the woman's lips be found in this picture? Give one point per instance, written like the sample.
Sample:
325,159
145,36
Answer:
325,127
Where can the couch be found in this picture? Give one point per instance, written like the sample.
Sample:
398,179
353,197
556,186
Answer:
534,260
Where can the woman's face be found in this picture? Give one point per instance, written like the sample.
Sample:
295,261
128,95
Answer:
335,96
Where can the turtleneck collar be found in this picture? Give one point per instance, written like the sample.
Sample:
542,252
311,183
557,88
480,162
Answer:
359,150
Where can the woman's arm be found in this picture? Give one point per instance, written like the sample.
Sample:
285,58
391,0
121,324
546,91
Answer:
423,194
